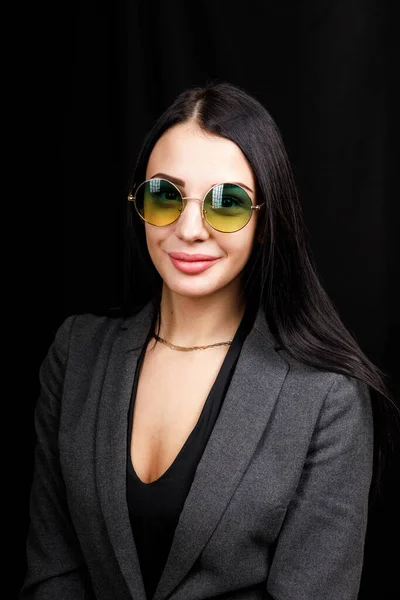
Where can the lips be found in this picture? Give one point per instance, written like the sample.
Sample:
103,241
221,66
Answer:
191,257
192,263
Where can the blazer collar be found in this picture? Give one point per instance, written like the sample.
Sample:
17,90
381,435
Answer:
253,391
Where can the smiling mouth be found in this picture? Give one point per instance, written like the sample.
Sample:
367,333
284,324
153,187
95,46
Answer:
192,264
182,256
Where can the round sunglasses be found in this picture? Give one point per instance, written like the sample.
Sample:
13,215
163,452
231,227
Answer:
226,207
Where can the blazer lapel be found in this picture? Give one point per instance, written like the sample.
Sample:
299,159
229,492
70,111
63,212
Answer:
111,446
253,391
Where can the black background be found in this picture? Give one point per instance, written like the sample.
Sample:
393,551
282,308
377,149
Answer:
97,76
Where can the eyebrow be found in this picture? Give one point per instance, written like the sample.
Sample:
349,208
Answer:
180,182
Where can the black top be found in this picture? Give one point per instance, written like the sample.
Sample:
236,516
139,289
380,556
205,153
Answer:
154,508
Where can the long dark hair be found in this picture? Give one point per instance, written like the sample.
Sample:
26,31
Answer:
280,277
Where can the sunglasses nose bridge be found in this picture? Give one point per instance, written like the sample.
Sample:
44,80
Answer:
192,198
186,198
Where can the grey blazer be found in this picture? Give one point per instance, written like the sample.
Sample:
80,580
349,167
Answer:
279,502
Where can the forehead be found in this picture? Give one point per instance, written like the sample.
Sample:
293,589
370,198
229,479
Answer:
197,157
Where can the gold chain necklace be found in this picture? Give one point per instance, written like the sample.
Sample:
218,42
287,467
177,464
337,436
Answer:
189,348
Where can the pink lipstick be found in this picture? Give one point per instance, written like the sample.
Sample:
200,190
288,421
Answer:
192,263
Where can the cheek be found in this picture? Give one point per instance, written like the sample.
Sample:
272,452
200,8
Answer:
154,235
240,245
152,240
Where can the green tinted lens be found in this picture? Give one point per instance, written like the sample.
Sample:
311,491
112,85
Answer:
227,207
158,202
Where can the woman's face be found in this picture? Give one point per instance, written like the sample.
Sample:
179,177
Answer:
195,161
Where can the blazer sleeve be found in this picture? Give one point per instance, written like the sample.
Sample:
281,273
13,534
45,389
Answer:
56,567
320,548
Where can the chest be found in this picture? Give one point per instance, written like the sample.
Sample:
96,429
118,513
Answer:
171,393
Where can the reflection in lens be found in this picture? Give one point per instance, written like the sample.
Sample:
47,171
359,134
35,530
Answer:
159,202
216,195
227,207
154,185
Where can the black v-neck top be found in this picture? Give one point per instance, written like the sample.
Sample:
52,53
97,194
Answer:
154,508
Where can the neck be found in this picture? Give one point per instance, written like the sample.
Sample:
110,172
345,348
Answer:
200,321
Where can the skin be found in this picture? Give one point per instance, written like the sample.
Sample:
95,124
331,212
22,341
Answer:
207,307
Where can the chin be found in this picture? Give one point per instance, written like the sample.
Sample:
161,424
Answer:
191,289
199,287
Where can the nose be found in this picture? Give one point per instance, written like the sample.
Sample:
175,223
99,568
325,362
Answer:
191,226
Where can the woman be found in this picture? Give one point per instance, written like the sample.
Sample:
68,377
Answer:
216,440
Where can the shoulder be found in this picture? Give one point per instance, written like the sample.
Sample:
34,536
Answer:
85,329
79,339
319,377
91,328
305,386
308,397
309,374
88,334
334,397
